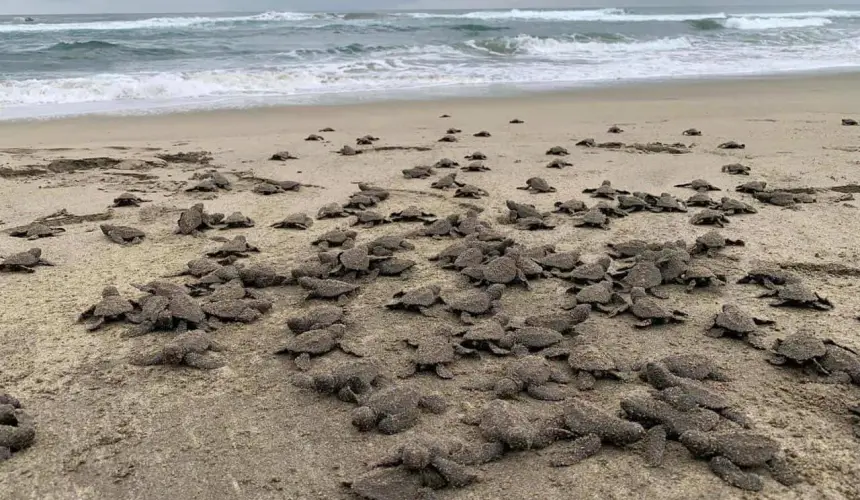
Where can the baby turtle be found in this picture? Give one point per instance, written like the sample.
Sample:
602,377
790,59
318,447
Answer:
692,366
295,221
589,364
366,140
503,422
393,409
316,319
605,190
446,163
849,122
532,374
17,430
419,172
24,261
418,299
559,163
412,214
615,129
752,187
798,295
347,150
699,185
369,218
448,138
520,211
315,137
128,200
112,307
711,242
124,235
538,185
593,218
649,311
587,143
326,288
632,203
736,169
434,353
453,130
237,220
35,231
710,217
699,276
237,247
470,191
516,121
736,322
557,151
731,452
317,342
267,188
731,145
731,206
476,155
692,132
331,211
475,166
600,296
326,129
447,181
190,349
475,302
701,199
482,133
644,274
195,219
667,203
235,309
800,348
571,207
285,155
769,278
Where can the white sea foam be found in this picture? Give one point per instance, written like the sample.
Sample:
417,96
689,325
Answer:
769,23
155,23
607,15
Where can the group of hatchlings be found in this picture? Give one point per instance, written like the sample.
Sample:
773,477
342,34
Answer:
630,279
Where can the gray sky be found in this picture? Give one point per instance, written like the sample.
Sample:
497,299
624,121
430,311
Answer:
105,6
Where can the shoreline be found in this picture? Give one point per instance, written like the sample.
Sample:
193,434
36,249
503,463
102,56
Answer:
460,93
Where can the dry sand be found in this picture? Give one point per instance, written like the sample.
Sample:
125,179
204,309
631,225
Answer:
109,430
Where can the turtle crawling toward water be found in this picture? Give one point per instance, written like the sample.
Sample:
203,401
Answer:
286,155
532,374
476,155
699,185
482,133
446,163
326,288
798,295
419,172
710,217
191,349
692,132
295,221
557,151
476,166
736,322
195,219
470,191
238,247
559,164
128,200
732,145
315,319
769,278
317,342
849,122
732,452
605,190
699,276
736,169
17,430
417,299
412,214
571,207
711,242
448,138
338,237
24,261
237,220
538,185
593,218
35,231
649,311
591,363
332,211
112,307
394,409
124,235
615,129
474,302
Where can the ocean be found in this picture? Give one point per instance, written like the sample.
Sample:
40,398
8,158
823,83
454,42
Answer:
63,65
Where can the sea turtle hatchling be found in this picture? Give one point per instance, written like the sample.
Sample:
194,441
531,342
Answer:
419,172
195,219
17,430
24,261
752,187
482,133
317,342
448,138
693,366
503,422
112,307
446,182
711,242
643,274
242,310
769,278
731,145
369,218
800,349
699,185
128,200
709,216
615,129
736,322
237,247
315,319
35,231
701,199
731,206
237,220
191,349
798,295
692,132
474,302
605,190
285,155
124,235
700,276
533,375
600,296
593,218
347,150
394,409
412,214
326,288
435,353
590,363
667,203
516,121
732,452
591,427
632,203
385,246
295,221
557,151
267,189
849,122
649,311
446,163
475,166
476,155
315,138
537,185
453,130
470,191
736,169
417,299
571,207
331,211
559,164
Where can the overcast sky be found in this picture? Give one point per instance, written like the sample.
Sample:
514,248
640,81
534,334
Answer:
104,6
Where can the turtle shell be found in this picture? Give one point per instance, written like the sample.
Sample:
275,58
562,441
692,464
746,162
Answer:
734,319
591,359
800,346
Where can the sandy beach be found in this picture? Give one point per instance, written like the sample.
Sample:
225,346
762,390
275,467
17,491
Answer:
107,429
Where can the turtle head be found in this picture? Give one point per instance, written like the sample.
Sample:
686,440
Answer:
495,291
